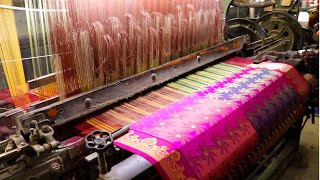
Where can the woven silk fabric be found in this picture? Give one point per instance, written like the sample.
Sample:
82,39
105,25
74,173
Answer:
204,135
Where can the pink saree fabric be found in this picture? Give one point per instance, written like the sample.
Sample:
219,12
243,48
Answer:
204,135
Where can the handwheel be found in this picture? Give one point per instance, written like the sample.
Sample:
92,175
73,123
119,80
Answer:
98,141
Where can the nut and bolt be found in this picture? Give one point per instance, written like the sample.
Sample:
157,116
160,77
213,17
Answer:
56,167
46,129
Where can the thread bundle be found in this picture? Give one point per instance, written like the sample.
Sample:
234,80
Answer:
100,41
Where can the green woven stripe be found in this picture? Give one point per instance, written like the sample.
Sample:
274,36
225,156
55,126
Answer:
181,87
218,71
226,68
187,85
192,78
230,65
203,78
192,83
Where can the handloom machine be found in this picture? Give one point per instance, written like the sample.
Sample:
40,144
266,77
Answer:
150,90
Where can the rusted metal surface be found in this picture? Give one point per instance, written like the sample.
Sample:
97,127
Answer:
241,26
45,102
75,107
284,26
271,46
9,113
252,4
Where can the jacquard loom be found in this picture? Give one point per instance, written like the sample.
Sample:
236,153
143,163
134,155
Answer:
141,89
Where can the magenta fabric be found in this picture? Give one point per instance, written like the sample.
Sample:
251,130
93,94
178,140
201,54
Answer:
204,135
239,61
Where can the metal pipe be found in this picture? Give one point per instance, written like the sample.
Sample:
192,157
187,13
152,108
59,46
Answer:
132,166
121,132
102,163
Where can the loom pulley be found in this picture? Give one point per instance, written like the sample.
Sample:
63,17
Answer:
284,25
242,26
275,30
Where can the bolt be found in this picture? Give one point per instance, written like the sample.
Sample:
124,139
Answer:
33,124
153,76
199,58
55,167
88,102
46,129
15,130
117,148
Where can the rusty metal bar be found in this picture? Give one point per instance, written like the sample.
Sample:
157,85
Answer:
89,102
252,4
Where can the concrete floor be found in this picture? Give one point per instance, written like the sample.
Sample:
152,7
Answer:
305,165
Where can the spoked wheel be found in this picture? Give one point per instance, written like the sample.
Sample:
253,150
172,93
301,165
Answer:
240,26
284,26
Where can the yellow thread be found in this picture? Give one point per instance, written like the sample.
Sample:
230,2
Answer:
136,109
10,50
164,96
99,124
150,102
120,116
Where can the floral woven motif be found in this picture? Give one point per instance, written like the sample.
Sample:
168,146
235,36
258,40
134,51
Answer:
204,135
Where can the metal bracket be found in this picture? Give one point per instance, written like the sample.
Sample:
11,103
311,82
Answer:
40,141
